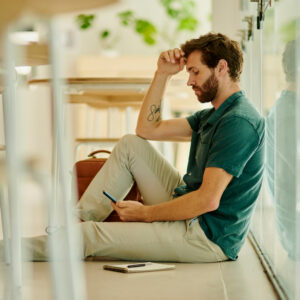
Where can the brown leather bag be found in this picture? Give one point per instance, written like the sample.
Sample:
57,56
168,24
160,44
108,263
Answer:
86,171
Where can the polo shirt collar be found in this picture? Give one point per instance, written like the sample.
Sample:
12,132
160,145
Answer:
223,107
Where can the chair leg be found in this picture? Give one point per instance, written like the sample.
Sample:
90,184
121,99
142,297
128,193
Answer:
13,162
5,225
67,274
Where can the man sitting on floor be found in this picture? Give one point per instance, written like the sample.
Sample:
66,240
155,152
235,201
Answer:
204,216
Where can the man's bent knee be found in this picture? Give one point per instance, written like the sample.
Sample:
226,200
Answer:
132,141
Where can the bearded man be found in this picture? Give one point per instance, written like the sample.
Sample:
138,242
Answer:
204,216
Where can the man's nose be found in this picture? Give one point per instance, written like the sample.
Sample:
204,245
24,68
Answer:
190,81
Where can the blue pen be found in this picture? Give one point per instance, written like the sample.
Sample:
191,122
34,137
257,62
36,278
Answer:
110,197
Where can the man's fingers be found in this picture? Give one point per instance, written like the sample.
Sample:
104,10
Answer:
182,62
177,53
166,56
172,56
121,203
117,205
113,205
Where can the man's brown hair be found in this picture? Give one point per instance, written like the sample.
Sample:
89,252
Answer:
216,46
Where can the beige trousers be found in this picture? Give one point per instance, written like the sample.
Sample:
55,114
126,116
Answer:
134,158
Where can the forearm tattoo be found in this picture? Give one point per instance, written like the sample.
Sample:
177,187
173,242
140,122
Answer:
154,113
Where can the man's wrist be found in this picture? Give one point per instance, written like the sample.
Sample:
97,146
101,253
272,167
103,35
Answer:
148,216
162,75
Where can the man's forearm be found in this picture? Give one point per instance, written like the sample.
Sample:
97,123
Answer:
207,198
150,113
185,207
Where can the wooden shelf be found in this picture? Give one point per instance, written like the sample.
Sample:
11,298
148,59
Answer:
98,80
35,54
96,140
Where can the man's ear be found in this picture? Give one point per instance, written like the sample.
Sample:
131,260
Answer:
222,67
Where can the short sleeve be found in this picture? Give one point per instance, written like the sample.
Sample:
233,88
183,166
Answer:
232,145
195,119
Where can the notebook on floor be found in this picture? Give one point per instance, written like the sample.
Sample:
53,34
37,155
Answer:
139,267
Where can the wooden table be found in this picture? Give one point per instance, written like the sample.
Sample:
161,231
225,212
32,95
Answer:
124,91
104,92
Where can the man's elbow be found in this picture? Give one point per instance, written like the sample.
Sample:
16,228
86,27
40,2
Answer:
140,133
148,133
207,200
212,204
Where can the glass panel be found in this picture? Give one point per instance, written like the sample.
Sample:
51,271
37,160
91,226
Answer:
272,66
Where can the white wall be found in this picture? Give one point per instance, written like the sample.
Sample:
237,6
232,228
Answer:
226,17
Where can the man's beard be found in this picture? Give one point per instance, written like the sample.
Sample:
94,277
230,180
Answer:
208,89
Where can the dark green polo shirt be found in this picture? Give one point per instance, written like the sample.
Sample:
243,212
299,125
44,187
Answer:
230,138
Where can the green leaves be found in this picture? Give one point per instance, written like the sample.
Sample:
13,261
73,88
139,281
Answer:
104,34
144,27
126,17
173,13
141,26
85,21
149,40
189,23
182,11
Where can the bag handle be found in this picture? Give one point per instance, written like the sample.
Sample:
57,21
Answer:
92,154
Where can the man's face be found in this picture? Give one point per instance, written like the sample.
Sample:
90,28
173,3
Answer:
201,78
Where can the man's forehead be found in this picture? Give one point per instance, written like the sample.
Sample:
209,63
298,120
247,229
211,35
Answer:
193,60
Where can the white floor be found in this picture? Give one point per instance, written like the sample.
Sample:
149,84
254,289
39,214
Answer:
241,280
